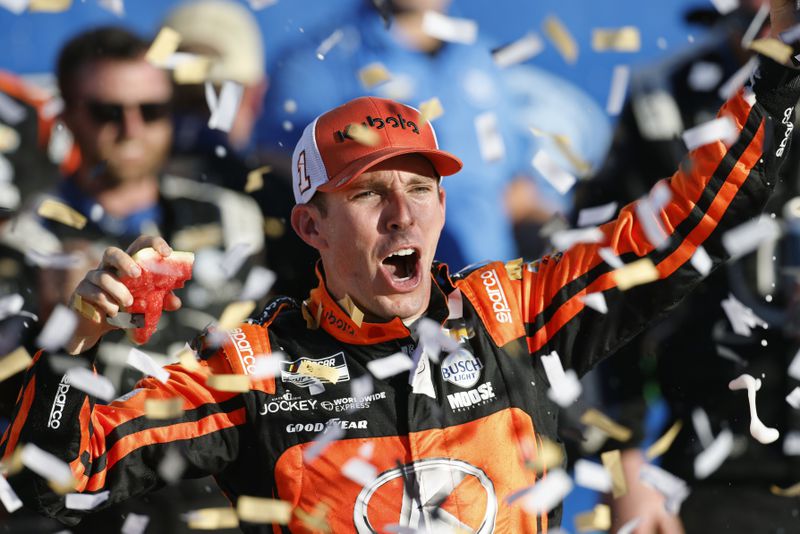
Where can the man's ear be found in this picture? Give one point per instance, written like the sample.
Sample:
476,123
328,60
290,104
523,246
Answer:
306,221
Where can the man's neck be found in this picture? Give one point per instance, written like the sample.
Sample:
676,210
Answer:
409,26
119,199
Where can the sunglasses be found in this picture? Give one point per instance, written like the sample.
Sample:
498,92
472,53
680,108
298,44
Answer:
110,112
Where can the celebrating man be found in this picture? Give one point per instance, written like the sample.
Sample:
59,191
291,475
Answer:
372,414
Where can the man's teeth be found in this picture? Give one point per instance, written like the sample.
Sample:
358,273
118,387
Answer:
402,252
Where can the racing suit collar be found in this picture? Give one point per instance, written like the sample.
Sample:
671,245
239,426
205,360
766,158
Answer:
323,311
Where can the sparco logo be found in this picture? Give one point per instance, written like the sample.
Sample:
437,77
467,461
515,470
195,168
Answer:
467,399
462,368
57,410
495,291
244,350
336,361
288,403
347,404
319,427
787,121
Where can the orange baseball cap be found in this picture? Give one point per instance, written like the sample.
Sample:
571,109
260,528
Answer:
346,141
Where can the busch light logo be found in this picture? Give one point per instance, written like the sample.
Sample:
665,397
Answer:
462,368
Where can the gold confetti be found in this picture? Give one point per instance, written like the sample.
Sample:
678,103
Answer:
164,45
663,443
60,212
550,455
49,6
260,510
274,228
430,110
625,39
231,383
599,420
63,489
198,236
791,491
13,464
193,70
14,362
312,323
598,519
163,408
236,313
9,139
561,38
213,518
316,519
633,274
323,372
255,179
352,310
373,74
362,134
514,269
772,48
612,461
85,309
188,359
565,147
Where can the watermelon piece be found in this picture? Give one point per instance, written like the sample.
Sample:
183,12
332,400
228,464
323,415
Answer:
159,276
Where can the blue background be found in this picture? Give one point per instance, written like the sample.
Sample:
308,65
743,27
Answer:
30,41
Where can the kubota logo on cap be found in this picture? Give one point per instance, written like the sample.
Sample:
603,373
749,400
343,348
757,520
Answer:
379,123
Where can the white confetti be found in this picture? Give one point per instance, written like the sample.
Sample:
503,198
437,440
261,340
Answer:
257,5
390,365
17,7
794,367
729,88
751,235
449,29
144,363
10,501
490,140
359,471
592,475
519,51
560,179
54,261
115,6
90,383
258,283
793,398
11,305
328,44
224,108
755,27
269,366
565,387
455,305
234,258
545,495
725,6
704,76
648,212
58,329
713,456
434,338
742,319
135,524
11,112
674,489
361,387
619,87
758,429
596,301
701,261
791,442
630,526
321,442
702,427
610,257
597,214
46,465
172,466
85,501
720,129
566,239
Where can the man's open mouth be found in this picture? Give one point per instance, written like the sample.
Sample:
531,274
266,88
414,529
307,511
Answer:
402,265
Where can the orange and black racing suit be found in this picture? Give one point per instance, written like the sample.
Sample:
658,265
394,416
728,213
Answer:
447,444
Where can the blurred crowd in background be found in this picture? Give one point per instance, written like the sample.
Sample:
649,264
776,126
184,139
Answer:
552,111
